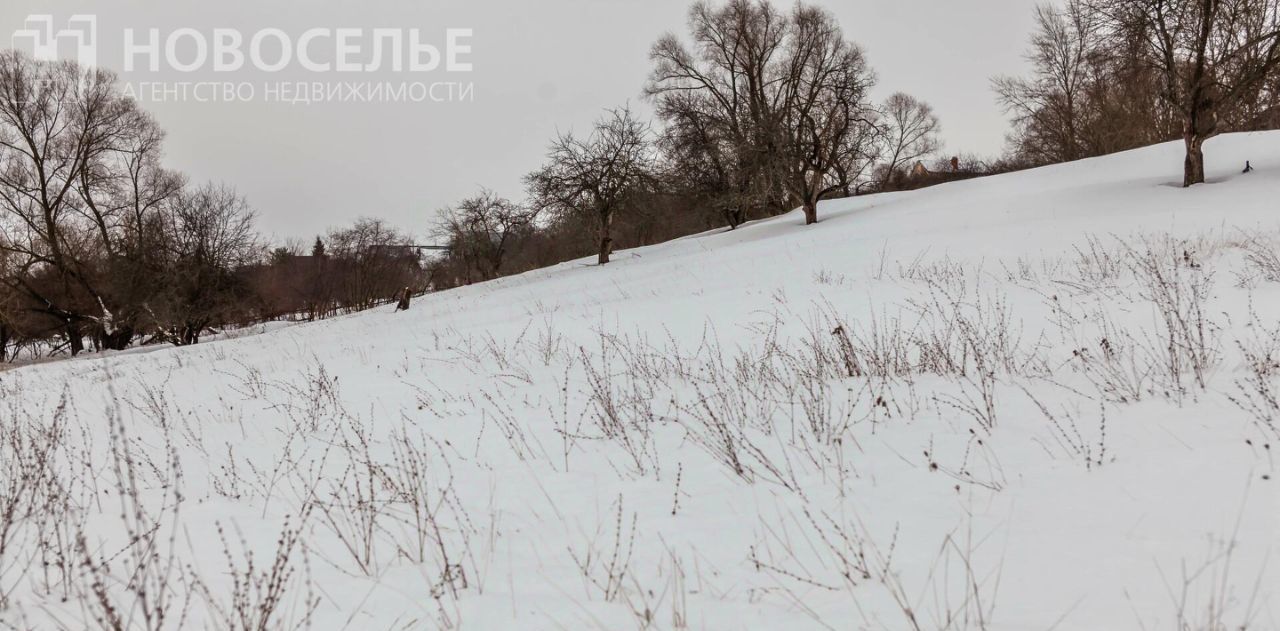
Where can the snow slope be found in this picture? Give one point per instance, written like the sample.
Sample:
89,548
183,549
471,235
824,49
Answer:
1028,440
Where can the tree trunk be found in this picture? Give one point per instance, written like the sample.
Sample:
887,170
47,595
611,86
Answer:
1193,168
117,340
4,342
75,339
1201,123
810,213
734,216
191,334
606,240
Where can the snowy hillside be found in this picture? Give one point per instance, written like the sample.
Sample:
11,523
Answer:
1044,400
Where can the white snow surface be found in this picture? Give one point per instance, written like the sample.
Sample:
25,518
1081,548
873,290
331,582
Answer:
567,421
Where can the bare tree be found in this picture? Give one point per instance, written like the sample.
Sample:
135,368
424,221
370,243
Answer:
80,188
52,119
1093,90
707,162
825,112
480,230
772,104
722,100
1049,108
370,262
122,191
595,175
1211,57
909,131
211,237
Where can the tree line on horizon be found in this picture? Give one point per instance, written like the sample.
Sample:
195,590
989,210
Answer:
102,247
758,111
1113,75
761,111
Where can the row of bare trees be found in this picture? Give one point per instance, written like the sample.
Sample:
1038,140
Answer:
100,243
760,110
102,247
1110,75
352,268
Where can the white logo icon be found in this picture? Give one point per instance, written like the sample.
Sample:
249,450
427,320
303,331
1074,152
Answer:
38,37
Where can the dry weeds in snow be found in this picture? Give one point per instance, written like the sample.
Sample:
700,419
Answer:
367,493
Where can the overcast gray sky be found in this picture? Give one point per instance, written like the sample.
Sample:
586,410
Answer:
539,66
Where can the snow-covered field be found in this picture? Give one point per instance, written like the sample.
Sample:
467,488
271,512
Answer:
1044,400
